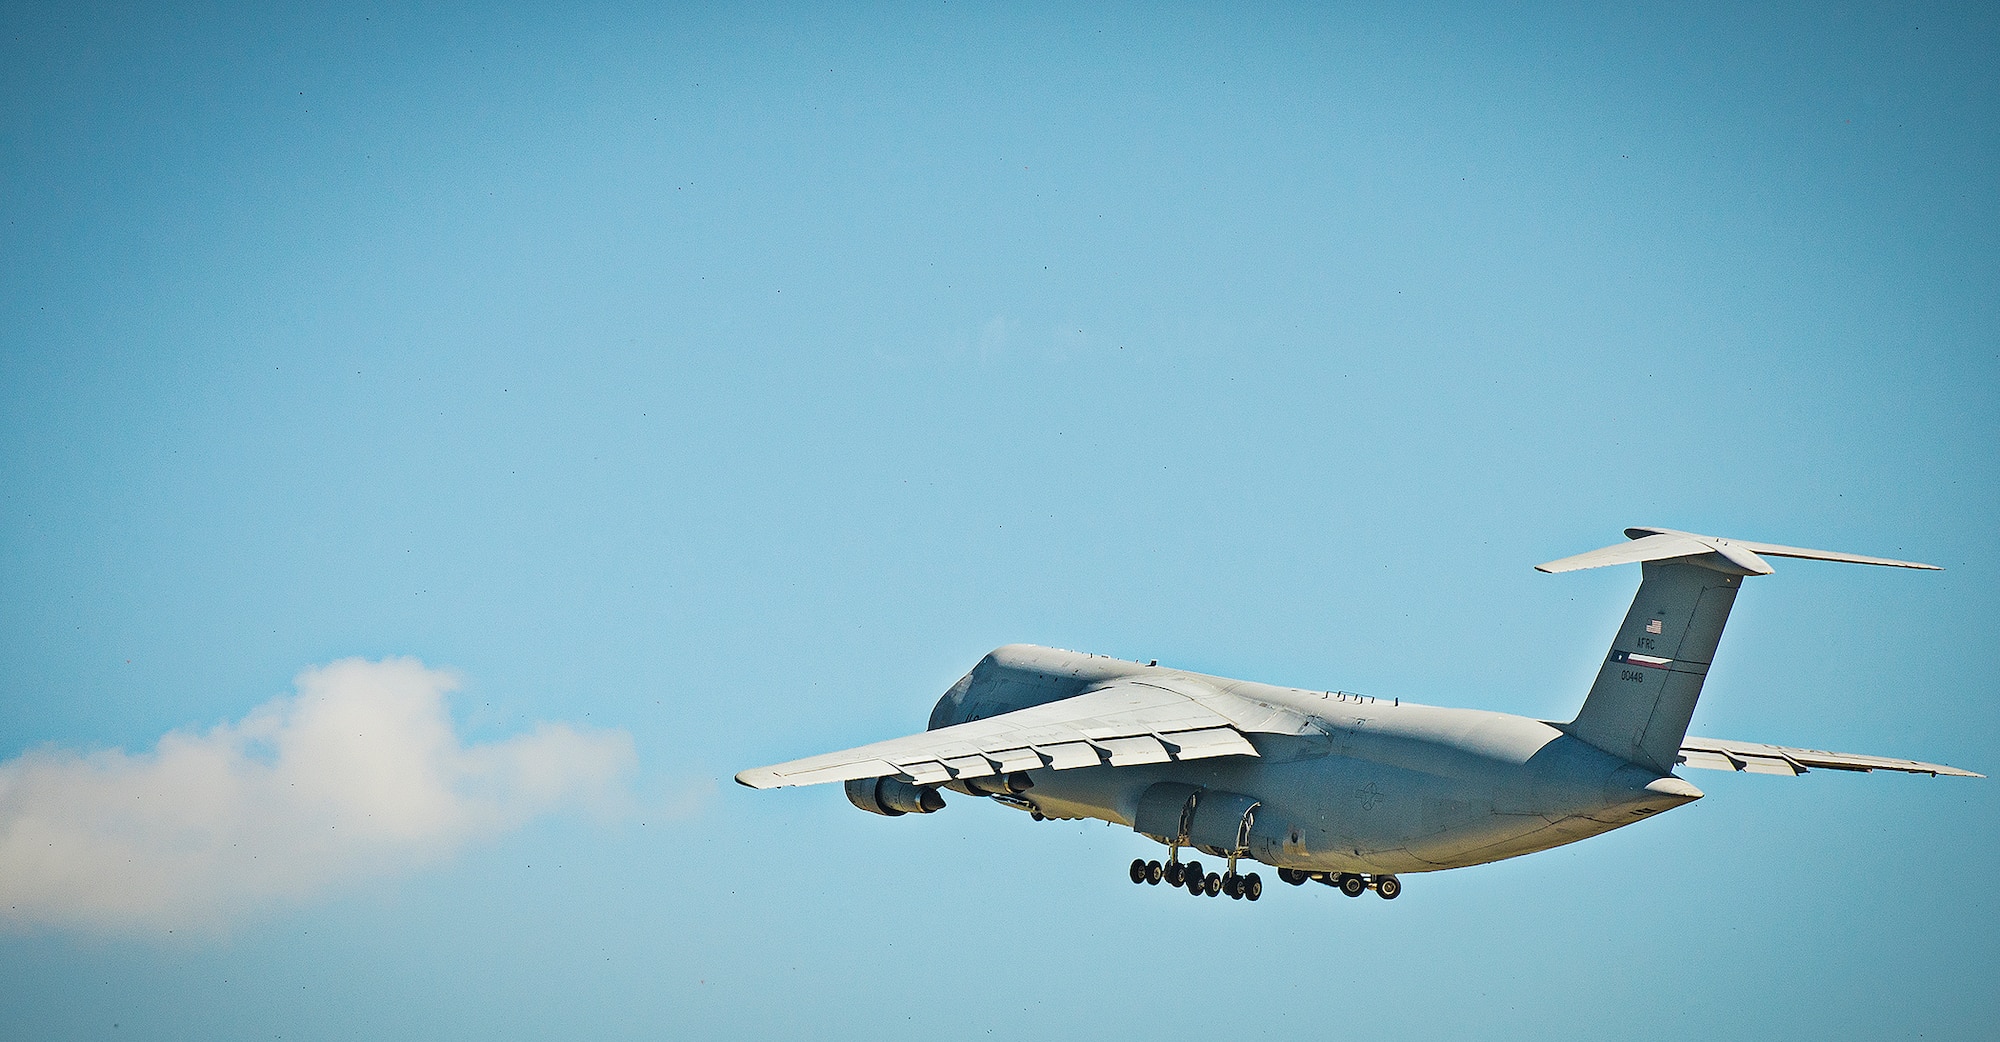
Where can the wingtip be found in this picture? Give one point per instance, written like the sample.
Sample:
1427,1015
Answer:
748,779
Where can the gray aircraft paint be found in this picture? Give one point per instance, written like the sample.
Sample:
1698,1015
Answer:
1331,782
1359,785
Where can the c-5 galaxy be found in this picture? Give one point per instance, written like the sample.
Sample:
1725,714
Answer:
1327,786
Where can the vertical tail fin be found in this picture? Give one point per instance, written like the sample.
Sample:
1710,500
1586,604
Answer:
1646,690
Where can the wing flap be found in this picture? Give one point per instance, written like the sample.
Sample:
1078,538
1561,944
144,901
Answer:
1142,748
1011,760
1123,723
1208,741
969,766
1756,758
927,772
1065,756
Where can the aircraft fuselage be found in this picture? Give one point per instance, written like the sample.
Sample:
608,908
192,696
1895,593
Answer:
1343,782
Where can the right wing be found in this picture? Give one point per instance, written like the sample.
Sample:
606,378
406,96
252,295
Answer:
1721,755
1126,722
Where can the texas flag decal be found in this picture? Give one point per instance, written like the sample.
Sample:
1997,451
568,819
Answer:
1629,659
1653,626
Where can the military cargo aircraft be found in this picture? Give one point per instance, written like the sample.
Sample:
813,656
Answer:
1333,787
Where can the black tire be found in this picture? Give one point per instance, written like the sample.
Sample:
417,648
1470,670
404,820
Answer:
1230,884
1293,876
1212,885
1352,885
1253,887
1138,870
1389,887
1153,873
1176,873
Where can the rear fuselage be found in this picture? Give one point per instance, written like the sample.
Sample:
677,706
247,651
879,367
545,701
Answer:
1345,783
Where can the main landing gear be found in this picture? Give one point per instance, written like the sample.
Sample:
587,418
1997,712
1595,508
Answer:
1349,883
1190,877
1353,884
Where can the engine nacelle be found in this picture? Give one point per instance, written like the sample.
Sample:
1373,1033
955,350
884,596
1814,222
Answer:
1012,784
893,798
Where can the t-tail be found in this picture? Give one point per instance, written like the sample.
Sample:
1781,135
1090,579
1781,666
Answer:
1645,693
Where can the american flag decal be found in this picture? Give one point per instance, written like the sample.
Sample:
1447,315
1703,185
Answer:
1626,658
1653,626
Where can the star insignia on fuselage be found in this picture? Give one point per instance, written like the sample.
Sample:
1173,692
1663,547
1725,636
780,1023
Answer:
1369,796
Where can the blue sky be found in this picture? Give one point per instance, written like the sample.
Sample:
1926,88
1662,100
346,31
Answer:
689,388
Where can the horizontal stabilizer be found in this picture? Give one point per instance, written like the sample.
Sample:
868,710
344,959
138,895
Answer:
1665,544
1720,755
1650,548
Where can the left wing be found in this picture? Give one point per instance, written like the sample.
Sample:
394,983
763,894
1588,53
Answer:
1721,755
1126,722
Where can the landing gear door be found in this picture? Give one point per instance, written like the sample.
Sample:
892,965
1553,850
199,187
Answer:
1222,823
1165,812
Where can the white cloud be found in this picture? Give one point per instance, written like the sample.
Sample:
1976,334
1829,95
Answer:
359,774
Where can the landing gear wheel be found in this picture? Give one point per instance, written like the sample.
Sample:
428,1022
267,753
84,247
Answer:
1351,884
1212,885
1191,878
1138,870
1388,887
1253,887
1176,873
1232,885
1153,873
1293,876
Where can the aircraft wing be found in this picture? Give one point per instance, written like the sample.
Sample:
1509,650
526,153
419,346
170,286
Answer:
1721,755
1127,722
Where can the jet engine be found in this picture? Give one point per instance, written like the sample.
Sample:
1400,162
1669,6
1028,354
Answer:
892,798
996,784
